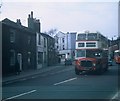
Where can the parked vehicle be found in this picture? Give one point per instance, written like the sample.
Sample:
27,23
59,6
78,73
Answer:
117,56
110,62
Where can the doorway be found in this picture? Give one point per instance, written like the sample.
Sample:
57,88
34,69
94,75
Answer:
19,57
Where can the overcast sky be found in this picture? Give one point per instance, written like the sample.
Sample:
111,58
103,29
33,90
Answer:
72,16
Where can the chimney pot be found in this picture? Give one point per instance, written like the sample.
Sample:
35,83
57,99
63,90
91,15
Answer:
31,14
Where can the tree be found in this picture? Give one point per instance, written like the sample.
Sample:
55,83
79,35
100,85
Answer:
0,7
52,32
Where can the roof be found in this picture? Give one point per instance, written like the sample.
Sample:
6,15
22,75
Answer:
46,35
15,25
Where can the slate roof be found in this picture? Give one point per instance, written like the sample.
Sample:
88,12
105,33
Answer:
21,27
46,35
15,25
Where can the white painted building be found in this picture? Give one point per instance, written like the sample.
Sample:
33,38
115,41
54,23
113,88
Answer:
65,44
41,50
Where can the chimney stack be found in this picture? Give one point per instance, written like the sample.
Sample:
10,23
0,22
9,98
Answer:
18,22
33,23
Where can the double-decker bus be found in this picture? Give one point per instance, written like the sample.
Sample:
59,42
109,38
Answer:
117,56
91,52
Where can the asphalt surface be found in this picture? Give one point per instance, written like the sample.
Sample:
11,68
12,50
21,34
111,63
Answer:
63,83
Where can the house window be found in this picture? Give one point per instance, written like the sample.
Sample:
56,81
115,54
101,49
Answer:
12,57
29,55
12,36
44,42
45,57
39,39
63,40
29,39
63,47
40,57
57,40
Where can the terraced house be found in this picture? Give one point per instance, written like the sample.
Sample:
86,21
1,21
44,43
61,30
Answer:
28,45
18,42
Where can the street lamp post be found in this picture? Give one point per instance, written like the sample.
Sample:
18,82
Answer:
112,48
115,45
119,43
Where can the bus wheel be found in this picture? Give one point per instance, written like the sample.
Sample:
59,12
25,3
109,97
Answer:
77,71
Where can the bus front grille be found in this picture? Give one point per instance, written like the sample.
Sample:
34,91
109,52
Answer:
86,63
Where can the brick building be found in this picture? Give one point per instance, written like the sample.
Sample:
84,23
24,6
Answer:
18,42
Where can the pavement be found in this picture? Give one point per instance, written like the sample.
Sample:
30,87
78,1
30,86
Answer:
28,73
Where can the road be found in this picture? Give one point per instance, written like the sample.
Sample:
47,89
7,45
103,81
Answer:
63,83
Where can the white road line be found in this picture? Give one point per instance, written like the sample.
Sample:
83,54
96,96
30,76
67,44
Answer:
115,96
33,77
65,81
8,82
23,79
19,95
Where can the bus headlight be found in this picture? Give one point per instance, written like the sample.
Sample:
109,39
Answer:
94,64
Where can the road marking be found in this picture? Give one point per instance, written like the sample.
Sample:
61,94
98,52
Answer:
23,79
19,95
8,82
115,96
34,77
65,81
